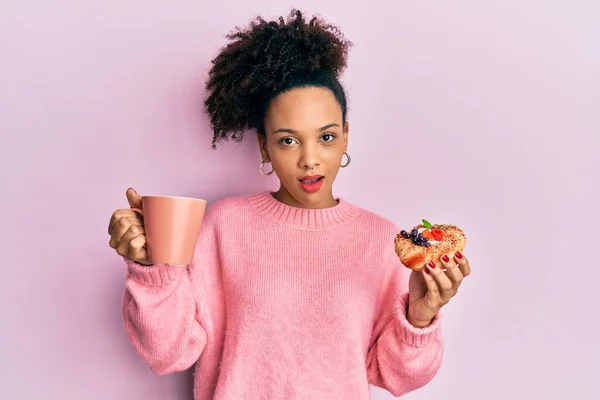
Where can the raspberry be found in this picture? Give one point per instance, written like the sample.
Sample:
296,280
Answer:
438,234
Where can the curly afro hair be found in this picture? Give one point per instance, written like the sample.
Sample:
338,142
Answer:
266,59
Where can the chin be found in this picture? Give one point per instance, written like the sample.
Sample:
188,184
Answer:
306,199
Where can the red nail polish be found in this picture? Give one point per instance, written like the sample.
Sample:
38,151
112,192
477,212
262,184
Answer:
445,258
426,271
431,264
458,255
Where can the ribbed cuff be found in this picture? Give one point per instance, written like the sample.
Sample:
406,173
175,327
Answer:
153,275
412,335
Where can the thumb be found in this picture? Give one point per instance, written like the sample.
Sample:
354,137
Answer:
134,199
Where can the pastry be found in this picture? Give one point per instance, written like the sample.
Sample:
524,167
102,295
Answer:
426,242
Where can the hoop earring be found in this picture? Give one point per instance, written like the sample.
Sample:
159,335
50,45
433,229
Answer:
261,169
349,159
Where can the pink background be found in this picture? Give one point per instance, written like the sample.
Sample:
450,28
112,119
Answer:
483,114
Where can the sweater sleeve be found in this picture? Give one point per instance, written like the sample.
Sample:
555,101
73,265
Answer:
401,357
166,309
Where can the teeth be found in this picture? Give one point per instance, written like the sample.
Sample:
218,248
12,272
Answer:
310,181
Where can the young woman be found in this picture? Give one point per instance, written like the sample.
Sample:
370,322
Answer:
295,294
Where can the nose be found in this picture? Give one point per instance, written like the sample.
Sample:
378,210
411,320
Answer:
309,158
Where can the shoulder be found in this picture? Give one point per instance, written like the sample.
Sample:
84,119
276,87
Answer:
230,204
375,223
375,234
228,208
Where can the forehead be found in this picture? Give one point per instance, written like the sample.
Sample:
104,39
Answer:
305,108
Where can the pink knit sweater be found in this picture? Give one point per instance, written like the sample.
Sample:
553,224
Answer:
283,303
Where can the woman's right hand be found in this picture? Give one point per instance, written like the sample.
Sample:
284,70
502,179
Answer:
126,230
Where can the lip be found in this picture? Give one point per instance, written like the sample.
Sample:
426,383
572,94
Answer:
311,177
311,187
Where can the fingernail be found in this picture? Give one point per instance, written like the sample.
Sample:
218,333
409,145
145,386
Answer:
426,271
431,264
445,258
458,255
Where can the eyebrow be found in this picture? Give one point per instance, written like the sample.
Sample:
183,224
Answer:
286,130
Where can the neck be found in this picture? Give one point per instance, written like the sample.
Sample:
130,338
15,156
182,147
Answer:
326,201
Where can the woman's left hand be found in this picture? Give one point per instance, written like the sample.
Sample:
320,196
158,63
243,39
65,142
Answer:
431,289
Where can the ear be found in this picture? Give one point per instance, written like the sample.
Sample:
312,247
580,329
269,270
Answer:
346,131
262,146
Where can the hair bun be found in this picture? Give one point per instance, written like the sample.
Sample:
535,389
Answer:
297,47
260,59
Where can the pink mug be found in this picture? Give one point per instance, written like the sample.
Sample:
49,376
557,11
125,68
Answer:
172,226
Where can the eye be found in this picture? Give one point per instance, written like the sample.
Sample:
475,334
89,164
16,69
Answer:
288,141
328,137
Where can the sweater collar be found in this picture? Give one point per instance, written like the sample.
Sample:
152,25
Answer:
303,218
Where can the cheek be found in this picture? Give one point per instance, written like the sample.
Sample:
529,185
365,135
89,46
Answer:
333,158
285,163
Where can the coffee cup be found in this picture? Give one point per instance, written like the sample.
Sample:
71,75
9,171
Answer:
172,226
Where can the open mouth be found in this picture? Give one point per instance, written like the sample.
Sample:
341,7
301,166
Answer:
311,184
311,180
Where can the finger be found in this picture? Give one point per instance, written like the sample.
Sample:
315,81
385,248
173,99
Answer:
134,199
443,282
432,287
125,247
137,250
463,263
121,228
119,214
452,271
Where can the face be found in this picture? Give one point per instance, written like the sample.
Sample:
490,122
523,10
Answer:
305,141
